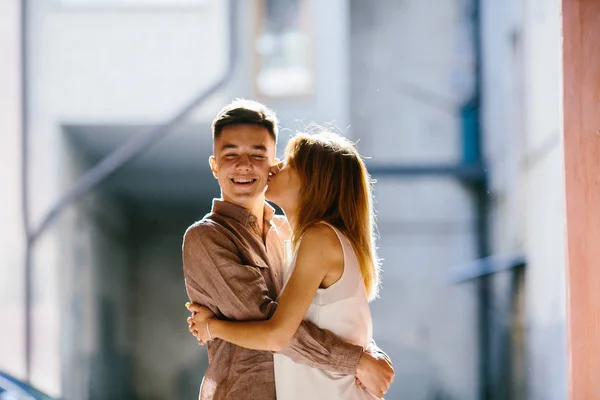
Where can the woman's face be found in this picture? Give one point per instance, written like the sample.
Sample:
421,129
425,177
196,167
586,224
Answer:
284,187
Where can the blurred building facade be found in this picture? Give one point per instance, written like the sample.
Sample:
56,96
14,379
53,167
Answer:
401,78
523,125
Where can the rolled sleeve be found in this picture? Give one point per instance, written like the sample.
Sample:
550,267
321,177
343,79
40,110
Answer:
216,278
320,348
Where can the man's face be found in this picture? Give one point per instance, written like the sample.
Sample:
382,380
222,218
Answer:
243,156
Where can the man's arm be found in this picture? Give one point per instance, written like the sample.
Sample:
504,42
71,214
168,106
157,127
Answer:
216,278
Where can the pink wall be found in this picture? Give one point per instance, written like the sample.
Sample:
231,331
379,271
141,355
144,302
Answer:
581,58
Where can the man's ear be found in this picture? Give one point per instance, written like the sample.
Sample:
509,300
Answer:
212,161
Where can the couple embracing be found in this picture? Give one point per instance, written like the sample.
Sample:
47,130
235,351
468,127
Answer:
282,302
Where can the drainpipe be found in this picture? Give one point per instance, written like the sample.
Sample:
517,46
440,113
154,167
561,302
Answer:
473,156
472,173
105,168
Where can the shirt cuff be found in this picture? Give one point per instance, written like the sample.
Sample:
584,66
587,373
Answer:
348,361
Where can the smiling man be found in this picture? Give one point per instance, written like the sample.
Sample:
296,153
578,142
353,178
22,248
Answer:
233,260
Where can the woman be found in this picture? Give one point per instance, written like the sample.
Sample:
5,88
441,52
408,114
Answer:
325,191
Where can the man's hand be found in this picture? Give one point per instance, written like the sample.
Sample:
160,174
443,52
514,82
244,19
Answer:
374,374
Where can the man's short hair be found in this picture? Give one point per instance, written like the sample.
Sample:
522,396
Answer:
241,111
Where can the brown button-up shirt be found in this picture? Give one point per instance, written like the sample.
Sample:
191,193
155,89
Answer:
236,270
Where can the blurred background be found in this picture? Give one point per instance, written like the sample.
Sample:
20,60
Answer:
105,111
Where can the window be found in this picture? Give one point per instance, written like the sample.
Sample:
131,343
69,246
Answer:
283,49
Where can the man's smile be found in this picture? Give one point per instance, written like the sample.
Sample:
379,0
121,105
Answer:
243,181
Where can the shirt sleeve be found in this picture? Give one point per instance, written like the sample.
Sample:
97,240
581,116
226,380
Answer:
320,348
216,278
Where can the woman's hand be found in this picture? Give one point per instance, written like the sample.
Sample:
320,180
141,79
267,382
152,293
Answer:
198,322
275,169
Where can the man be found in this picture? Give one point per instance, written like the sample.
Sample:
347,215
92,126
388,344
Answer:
233,260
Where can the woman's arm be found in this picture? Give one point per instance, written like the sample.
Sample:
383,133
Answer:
320,252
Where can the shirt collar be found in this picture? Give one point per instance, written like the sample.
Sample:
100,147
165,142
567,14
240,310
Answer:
239,213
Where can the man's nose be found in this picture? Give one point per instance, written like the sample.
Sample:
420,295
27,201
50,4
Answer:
244,163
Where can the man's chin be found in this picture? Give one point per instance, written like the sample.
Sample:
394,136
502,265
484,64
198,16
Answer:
246,195
271,198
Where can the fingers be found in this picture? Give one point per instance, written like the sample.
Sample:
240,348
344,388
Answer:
388,383
191,324
198,318
392,376
275,168
382,392
359,383
193,331
193,307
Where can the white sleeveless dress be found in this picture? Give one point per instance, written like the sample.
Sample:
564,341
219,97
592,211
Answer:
343,309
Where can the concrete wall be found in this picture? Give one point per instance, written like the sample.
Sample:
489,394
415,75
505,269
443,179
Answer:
329,27
123,317
123,64
409,75
94,279
12,236
544,245
94,67
522,125
167,361
503,129
502,120
398,80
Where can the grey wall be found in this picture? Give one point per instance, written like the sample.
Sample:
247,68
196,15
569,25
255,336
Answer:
408,78
126,335
107,294
523,128
503,129
12,236
95,281
137,72
167,361
545,211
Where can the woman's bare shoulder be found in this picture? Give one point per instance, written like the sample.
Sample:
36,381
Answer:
322,238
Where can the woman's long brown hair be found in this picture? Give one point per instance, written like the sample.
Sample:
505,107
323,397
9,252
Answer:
336,188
